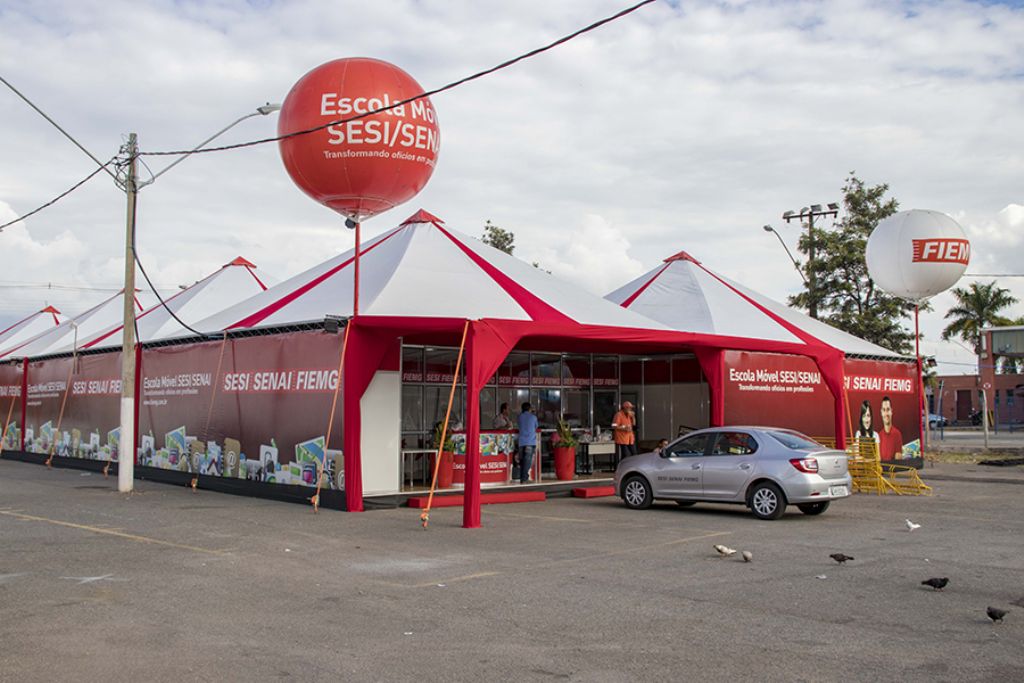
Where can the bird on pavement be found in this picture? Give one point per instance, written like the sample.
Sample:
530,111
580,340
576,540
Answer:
935,583
724,551
840,558
995,614
911,526
747,556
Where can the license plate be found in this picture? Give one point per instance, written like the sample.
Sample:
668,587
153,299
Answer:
838,491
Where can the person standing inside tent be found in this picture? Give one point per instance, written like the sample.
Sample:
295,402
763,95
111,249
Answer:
624,431
890,439
527,442
502,420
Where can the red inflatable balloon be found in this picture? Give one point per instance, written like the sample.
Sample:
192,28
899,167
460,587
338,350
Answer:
368,165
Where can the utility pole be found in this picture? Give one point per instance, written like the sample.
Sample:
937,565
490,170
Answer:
126,449
810,214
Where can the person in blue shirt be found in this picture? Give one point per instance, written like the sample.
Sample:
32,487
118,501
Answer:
527,442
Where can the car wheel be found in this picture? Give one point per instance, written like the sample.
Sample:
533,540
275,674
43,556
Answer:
766,501
686,503
636,493
813,508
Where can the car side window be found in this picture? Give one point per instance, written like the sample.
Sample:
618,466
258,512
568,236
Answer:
690,447
734,443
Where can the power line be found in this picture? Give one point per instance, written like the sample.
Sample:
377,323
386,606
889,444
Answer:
993,275
54,124
56,199
429,93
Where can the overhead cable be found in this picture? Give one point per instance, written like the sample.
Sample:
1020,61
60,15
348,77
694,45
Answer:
429,93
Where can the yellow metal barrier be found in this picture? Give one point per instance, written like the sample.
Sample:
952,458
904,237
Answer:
870,475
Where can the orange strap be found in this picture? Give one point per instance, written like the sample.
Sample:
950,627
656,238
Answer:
315,499
7,424
425,516
60,416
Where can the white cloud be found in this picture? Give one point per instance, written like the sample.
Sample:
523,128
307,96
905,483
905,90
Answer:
593,254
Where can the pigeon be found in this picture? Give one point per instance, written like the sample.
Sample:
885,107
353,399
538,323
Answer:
911,526
747,556
724,551
936,584
995,614
840,558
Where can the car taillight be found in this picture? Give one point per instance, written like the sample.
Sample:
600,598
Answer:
808,465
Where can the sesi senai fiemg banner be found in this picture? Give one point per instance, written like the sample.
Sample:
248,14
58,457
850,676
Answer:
771,389
255,408
884,405
73,407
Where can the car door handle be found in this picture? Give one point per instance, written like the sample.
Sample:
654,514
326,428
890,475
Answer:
745,466
695,466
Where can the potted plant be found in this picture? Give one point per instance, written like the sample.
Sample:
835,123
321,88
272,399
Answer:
564,444
446,470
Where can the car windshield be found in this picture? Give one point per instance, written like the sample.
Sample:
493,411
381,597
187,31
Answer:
795,440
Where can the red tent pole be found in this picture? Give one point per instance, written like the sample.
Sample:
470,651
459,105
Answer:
471,503
355,274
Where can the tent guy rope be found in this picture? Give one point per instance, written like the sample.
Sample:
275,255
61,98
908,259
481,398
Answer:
315,498
425,515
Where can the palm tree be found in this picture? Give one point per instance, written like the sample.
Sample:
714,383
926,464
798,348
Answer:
977,307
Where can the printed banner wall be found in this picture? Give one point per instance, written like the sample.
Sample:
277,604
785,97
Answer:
262,417
90,425
777,390
10,405
893,423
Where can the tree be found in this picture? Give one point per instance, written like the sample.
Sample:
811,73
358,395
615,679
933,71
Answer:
846,295
498,238
977,307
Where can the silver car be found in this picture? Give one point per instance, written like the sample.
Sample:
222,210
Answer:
764,468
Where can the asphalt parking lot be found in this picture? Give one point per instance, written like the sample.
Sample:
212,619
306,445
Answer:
169,584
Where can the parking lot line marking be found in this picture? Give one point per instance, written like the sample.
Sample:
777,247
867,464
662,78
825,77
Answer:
520,515
467,577
635,549
110,532
549,563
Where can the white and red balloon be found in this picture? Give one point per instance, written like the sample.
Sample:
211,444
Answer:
916,254
368,165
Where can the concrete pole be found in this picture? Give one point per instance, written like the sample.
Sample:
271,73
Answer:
126,450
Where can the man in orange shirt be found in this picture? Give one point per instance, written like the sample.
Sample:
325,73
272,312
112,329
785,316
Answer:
624,431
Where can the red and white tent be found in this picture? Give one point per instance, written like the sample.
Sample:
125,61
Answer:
233,282
684,294
29,327
429,284
69,334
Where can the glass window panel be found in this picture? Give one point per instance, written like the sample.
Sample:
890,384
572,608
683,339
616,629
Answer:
577,408
412,364
440,365
606,371
546,370
488,408
605,407
547,406
412,408
657,371
576,371
515,371
632,371
435,402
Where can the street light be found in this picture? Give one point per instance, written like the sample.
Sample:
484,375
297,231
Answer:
810,213
796,265
126,465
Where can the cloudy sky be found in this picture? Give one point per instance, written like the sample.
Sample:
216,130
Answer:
686,125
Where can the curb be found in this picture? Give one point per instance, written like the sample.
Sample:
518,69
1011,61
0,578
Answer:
979,480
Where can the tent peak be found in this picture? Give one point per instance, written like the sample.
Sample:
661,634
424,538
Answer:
240,261
421,216
50,309
681,256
